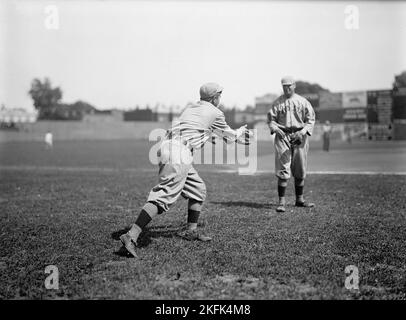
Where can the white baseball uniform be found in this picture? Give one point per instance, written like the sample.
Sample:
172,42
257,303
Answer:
291,115
177,176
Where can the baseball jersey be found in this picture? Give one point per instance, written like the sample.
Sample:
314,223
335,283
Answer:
198,122
292,113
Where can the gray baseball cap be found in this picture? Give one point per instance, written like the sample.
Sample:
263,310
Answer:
209,90
287,80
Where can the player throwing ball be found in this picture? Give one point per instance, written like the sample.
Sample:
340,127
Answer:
196,125
291,118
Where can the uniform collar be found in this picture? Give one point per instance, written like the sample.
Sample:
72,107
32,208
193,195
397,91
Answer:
206,103
292,97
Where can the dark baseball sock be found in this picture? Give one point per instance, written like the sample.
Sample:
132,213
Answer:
143,219
145,216
282,184
193,216
299,191
193,213
281,191
299,186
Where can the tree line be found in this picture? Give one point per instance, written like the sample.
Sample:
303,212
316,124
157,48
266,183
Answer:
47,99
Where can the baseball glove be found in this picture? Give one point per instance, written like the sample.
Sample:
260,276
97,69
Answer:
296,138
244,135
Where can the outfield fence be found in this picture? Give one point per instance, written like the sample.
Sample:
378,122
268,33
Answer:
78,130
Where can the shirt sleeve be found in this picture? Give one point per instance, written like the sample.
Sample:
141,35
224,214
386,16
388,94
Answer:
310,118
272,117
221,129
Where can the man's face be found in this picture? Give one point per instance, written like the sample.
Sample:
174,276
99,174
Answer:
289,90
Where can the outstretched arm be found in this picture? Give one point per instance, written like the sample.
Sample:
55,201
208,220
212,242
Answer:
222,129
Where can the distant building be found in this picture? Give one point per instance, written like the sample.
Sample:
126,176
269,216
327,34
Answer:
262,106
104,116
313,98
399,113
159,113
139,115
66,111
167,114
246,116
10,116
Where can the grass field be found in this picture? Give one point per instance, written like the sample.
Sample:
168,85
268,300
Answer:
67,207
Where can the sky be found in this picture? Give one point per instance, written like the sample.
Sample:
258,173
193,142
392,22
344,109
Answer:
126,53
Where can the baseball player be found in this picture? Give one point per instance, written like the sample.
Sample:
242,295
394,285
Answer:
326,136
291,118
48,140
195,126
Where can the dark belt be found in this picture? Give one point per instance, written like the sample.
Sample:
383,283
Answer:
291,130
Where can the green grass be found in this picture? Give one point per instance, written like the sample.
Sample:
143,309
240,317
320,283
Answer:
72,219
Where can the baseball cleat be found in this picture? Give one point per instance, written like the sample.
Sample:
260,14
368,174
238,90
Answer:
281,208
193,235
304,204
129,244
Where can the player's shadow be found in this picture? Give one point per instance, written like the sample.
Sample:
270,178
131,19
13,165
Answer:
247,204
145,238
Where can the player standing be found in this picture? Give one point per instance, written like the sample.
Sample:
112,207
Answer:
326,136
48,140
177,176
291,118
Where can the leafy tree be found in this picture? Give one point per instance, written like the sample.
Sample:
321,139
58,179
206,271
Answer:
303,87
73,111
45,97
47,102
43,94
82,107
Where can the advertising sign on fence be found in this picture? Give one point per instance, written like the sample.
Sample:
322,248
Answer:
354,99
